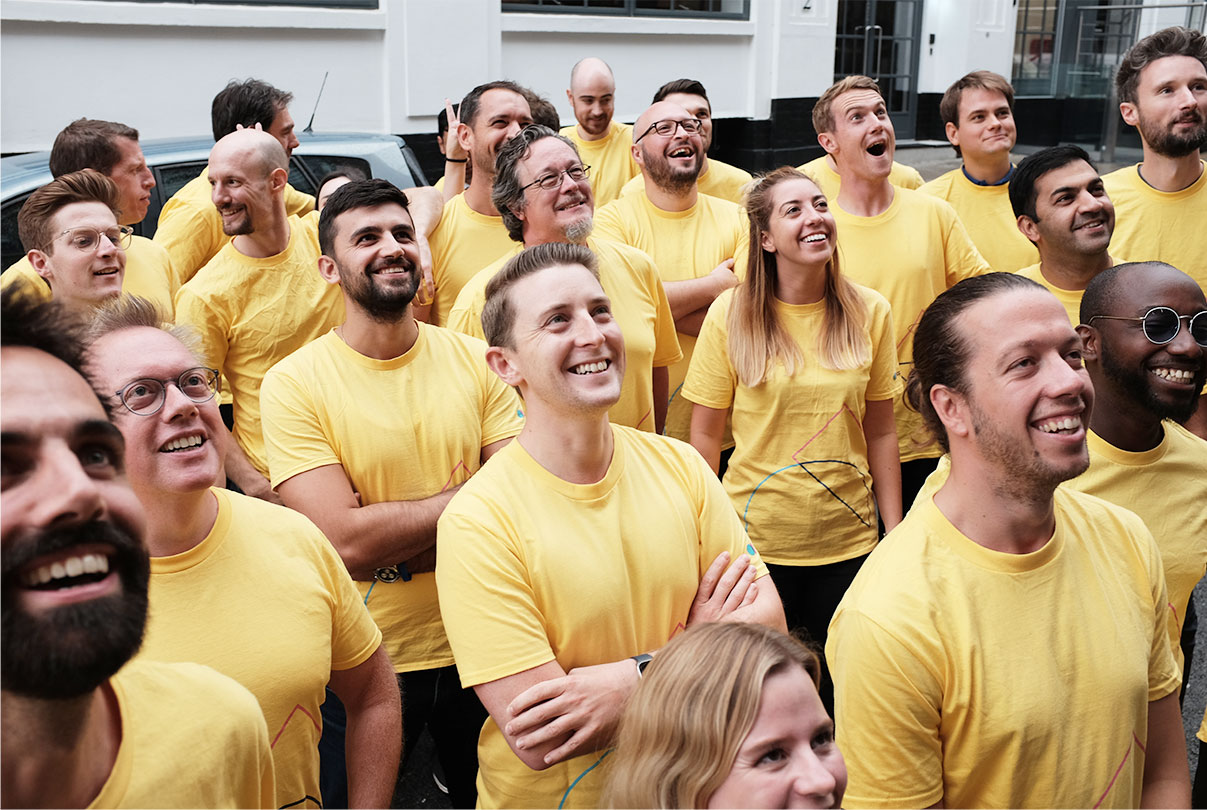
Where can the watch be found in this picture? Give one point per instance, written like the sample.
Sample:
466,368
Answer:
643,661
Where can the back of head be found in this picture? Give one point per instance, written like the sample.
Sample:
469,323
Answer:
248,102
34,221
685,86
949,105
542,109
507,193
941,350
823,110
1173,41
498,313
87,143
1034,166
356,194
48,326
468,109
682,729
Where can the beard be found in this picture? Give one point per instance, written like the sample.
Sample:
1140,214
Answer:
382,304
1030,477
1165,142
674,180
577,232
1135,385
67,651
238,227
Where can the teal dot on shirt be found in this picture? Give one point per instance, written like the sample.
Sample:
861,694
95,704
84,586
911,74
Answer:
750,549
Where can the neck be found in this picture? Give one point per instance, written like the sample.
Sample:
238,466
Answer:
178,521
477,194
586,136
575,448
267,241
703,169
1073,271
987,168
1170,174
670,200
864,197
799,284
1121,421
66,748
993,512
380,340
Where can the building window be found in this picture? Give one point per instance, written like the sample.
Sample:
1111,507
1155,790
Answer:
1035,47
711,9
353,4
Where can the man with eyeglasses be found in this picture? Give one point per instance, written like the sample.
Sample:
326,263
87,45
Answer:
1145,333
370,430
73,242
112,149
1061,205
904,244
543,193
699,243
601,141
261,297
249,588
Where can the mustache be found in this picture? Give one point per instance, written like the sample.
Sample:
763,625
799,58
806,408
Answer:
21,551
401,261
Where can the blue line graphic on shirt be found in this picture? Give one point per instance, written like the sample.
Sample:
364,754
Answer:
805,464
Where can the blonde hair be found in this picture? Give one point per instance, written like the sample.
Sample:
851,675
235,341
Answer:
823,110
682,729
132,312
757,337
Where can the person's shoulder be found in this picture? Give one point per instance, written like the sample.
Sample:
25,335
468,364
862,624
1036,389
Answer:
904,176
276,530
468,347
876,303
608,249
196,192
942,185
728,171
1185,440
928,205
1089,516
301,363
813,165
621,131
163,684
659,451
1123,180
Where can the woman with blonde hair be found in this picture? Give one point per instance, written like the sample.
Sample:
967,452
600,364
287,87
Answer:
804,362
745,730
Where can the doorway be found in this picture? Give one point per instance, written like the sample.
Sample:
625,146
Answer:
881,38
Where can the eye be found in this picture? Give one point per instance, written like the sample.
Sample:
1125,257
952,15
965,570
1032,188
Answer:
791,209
1074,358
603,311
403,236
773,756
557,319
99,458
822,205
823,739
366,238
83,239
1022,364
13,466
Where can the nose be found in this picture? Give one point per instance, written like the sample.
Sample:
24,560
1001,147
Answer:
72,495
107,246
176,404
812,778
218,195
1183,345
148,180
513,129
587,332
1063,380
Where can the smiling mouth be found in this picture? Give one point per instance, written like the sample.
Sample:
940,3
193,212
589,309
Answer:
184,443
592,368
1181,376
1064,425
108,271
815,237
682,152
67,572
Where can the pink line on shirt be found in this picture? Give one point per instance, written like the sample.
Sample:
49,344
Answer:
641,421
823,429
1177,620
1118,770
460,465
297,708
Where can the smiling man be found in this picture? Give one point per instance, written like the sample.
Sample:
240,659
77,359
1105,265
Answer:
978,116
73,243
261,298
112,149
581,548
370,430
602,142
543,193
1062,207
1008,645
82,727
209,550
695,240
931,249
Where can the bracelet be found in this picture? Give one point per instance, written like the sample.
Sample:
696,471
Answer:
455,160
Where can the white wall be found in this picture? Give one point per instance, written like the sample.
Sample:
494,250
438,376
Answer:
969,35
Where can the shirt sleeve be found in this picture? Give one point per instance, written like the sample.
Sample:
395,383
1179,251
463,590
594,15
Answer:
209,321
962,258
297,203
186,233
720,527
711,379
354,634
294,439
666,340
502,411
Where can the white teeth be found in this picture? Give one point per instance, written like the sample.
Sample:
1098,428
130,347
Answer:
815,237
1068,423
1178,375
181,444
74,567
590,368
70,567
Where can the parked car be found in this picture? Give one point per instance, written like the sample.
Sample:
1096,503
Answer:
175,161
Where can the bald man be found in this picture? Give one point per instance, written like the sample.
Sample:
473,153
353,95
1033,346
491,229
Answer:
261,297
602,143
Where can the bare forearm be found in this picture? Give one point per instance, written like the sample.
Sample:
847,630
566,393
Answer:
690,323
1166,771
426,204
685,297
373,743
240,470
661,385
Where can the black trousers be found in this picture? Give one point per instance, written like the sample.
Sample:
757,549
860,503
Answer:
433,698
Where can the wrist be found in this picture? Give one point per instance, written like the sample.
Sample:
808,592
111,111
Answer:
642,661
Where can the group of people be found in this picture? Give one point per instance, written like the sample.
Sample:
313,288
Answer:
441,498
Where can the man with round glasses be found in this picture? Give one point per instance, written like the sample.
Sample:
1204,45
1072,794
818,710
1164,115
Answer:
1145,333
218,558
70,232
695,240
542,193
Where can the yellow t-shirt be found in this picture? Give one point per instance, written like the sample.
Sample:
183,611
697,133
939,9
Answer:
148,274
988,218
309,622
610,159
190,228
829,182
253,312
1159,225
1167,488
957,668
190,738
639,304
684,245
534,569
800,456
462,244
403,429
721,180
1069,299
909,254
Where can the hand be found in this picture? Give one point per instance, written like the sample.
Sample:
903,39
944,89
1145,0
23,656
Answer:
257,126
575,713
423,562
426,294
452,146
723,590
724,276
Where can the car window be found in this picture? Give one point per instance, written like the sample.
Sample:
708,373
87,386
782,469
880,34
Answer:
10,247
298,178
171,177
320,165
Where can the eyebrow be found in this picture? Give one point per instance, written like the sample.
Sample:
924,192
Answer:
88,429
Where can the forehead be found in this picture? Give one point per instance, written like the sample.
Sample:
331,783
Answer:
232,159
689,101
1035,316
1076,174
501,101
661,111
556,285
799,188
1141,288
281,121
593,83
1172,69
42,395
858,99
384,217
90,214
981,98
140,351
549,152
130,151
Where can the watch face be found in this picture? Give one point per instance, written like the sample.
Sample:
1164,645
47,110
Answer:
389,574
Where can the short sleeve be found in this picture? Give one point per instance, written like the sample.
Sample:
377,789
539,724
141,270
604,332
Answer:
297,203
210,323
962,258
609,224
462,318
294,439
502,414
666,341
711,379
354,634
720,527
1163,675
884,381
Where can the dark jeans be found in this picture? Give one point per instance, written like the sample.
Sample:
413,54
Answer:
1198,793
810,594
333,770
454,717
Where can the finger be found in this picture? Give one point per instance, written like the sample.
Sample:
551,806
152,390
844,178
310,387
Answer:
733,575
709,581
752,593
555,731
738,594
537,693
452,116
567,749
536,717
